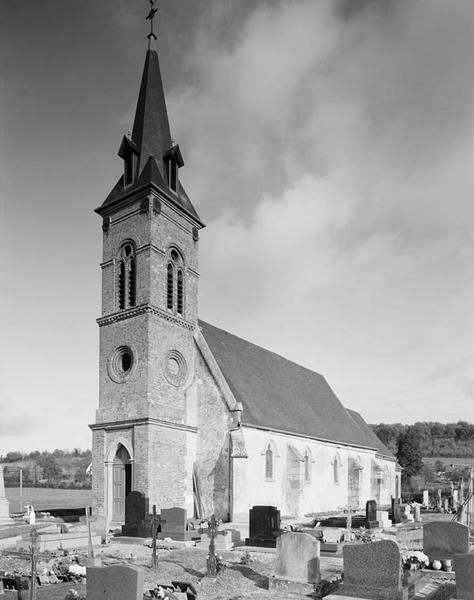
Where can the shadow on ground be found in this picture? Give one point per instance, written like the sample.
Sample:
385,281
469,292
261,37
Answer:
260,581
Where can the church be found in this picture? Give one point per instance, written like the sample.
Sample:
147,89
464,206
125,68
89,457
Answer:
189,414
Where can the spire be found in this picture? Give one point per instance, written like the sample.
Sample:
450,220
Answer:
151,130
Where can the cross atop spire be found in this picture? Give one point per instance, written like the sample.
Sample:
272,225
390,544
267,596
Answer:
151,15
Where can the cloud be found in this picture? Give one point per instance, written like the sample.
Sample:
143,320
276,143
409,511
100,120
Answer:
338,201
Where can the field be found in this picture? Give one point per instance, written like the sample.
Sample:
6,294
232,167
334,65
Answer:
449,460
46,498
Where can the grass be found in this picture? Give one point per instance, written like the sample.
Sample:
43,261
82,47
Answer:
47,498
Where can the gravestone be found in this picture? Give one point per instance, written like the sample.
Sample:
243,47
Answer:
406,514
4,504
137,518
264,526
117,582
371,514
396,511
417,513
464,567
297,568
174,525
373,571
443,539
382,518
426,498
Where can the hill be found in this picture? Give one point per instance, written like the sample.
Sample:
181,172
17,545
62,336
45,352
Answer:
58,469
435,439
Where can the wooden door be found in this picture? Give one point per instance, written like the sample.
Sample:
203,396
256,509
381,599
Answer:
118,485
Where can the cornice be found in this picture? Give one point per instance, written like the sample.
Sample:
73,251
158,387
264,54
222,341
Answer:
141,310
126,424
316,439
140,192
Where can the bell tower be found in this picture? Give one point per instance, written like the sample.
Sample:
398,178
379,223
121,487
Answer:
144,434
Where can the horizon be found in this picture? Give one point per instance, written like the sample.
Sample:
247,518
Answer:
329,150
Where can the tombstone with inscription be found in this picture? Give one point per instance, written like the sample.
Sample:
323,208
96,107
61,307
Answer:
264,526
137,518
371,514
174,525
117,582
297,568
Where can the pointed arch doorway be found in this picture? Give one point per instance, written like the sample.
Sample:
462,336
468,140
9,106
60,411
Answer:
121,482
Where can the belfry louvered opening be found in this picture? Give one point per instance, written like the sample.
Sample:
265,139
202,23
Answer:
126,277
175,283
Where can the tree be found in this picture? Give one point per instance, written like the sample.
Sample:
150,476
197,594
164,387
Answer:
409,453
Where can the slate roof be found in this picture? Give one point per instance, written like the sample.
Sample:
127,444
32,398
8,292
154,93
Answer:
280,395
369,434
151,141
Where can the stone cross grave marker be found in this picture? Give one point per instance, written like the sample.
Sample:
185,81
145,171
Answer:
117,582
464,567
443,539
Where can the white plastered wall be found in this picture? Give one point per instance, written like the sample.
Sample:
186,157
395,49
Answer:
321,493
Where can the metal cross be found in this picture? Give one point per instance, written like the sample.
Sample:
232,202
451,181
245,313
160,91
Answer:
212,560
154,530
34,550
150,18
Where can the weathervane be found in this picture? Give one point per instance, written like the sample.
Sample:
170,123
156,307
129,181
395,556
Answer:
150,16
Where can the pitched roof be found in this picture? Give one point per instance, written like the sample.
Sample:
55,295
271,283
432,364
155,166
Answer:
369,435
151,129
279,394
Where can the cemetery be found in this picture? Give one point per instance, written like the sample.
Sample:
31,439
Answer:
402,552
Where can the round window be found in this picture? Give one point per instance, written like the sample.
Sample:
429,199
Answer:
121,364
175,367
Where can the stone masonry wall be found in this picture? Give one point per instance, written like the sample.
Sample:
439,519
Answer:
212,451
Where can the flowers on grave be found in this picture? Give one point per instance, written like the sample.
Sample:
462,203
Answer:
414,560
74,595
363,535
219,561
77,570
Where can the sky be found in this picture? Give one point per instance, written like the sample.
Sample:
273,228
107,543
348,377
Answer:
329,149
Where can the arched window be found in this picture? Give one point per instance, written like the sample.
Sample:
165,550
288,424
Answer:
126,277
269,463
335,468
307,466
175,283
